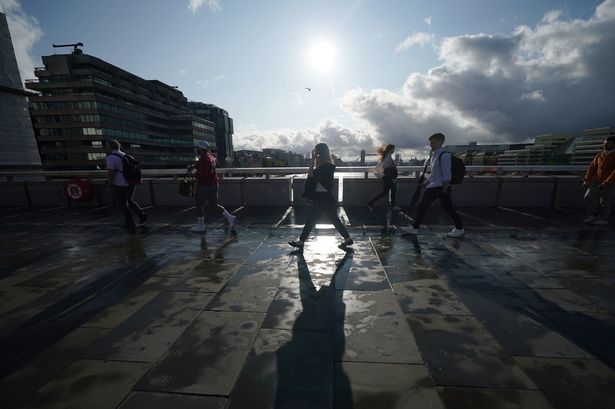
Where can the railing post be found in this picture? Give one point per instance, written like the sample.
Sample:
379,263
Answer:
498,193
152,196
554,190
25,189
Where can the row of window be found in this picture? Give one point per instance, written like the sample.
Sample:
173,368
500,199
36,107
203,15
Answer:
114,133
202,126
38,106
96,156
107,120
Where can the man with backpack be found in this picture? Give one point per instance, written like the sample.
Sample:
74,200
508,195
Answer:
124,176
438,186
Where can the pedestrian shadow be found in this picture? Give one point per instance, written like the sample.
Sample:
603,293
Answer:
307,375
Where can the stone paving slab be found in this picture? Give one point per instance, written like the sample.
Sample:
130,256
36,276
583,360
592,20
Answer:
429,297
572,383
207,358
481,398
19,386
459,351
286,369
361,385
370,327
89,384
520,329
148,334
154,400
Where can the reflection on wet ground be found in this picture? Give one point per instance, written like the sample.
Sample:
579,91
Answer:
518,314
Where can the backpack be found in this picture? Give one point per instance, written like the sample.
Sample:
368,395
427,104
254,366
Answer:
132,169
391,172
458,168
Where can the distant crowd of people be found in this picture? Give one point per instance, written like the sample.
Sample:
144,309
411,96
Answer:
599,180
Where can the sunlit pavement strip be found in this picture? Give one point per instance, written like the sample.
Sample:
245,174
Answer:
518,314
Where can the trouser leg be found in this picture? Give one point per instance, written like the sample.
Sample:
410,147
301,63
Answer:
447,204
131,202
592,199
607,195
310,222
121,195
331,212
429,195
383,193
393,192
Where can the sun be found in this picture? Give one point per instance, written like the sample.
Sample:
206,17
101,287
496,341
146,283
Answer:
322,56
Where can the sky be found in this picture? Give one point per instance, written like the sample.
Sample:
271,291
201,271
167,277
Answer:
379,71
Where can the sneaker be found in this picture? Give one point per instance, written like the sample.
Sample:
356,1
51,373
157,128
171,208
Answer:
231,222
600,222
347,242
396,208
456,232
142,219
297,244
199,228
409,230
370,206
591,218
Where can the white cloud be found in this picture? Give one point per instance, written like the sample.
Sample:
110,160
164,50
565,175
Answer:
203,83
554,77
427,20
25,33
343,142
195,5
219,77
182,71
416,38
535,95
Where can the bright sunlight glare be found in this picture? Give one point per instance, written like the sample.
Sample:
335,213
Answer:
322,56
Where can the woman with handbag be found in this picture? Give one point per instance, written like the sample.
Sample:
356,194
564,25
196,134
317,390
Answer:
387,170
319,189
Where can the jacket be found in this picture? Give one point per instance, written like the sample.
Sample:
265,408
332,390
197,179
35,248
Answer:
602,169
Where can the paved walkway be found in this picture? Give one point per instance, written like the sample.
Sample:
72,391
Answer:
519,314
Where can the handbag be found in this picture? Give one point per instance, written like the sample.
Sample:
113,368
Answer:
309,189
187,185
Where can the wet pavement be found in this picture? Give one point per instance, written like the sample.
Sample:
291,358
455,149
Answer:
518,314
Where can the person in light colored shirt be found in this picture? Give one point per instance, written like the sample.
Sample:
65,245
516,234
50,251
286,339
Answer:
122,190
387,170
437,186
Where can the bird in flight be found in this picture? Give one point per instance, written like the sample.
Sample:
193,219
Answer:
309,89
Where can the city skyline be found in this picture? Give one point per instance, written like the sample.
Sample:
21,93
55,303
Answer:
487,71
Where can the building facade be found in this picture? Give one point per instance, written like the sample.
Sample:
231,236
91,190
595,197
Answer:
223,124
85,101
590,144
19,149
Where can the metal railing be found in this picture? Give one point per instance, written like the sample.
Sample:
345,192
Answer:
549,170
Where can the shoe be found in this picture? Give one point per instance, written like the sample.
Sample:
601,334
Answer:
591,218
231,222
600,222
456,232
233,234
297,244
199,228
347,242
409,230
370,206
396,208
142,219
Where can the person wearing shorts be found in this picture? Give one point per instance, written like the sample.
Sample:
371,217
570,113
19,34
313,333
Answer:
207,189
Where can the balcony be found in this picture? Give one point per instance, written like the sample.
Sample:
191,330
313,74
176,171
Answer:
519,313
